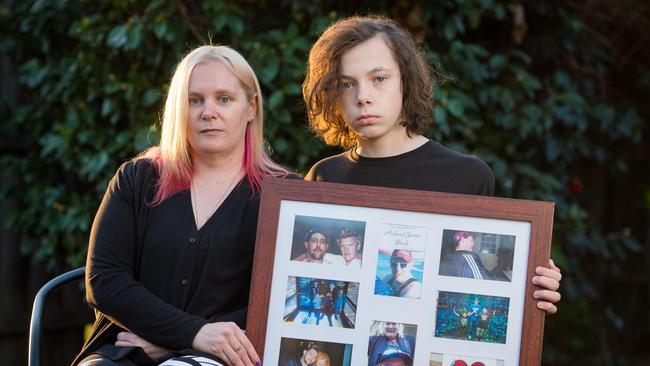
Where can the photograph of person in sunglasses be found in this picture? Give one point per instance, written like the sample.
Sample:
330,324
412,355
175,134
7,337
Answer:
399,274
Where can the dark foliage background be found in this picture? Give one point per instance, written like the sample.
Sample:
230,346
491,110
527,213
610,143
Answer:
552,94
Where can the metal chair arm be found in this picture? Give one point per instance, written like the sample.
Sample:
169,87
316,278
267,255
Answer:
37,311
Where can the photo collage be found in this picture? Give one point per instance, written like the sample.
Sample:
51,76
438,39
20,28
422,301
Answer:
394,284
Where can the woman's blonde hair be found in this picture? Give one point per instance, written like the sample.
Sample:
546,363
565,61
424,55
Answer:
173,157
321,356
380,325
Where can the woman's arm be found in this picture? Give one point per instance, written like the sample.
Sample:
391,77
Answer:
128,339
110,267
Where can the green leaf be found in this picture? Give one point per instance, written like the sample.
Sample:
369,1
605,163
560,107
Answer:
281,145
107,107
292,89
161,29
117,37
154,5
39,5
236,25
269,70
552,149
219,21
275,99
145,137
455,108
135,34
284,116
498,61
449,31
150,97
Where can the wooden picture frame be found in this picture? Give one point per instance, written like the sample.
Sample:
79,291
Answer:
414,230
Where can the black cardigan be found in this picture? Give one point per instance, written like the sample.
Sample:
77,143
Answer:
151,272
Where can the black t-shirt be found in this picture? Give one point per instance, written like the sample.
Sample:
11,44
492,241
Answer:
430,167
152,272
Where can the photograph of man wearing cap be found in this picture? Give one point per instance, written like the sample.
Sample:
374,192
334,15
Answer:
400,281
463,261
391,341
316,245
395,357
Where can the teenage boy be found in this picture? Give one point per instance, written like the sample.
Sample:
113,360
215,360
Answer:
369,89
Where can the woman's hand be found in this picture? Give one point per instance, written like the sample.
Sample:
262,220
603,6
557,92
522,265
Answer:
548,278
128,339
228,342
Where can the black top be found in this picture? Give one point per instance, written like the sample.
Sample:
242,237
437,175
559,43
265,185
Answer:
152,272
430,167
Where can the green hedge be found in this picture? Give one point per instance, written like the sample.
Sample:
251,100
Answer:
92,76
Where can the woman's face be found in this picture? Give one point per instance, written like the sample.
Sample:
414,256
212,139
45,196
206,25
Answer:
390,329
219,111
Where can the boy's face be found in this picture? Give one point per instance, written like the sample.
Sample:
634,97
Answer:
371,99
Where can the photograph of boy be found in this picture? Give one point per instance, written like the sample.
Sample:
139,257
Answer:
481,256
328,241
300,352
395,357
399,273
321,302
481,318
391,343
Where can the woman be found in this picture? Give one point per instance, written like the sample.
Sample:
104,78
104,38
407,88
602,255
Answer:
171,248
322,359
389,335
